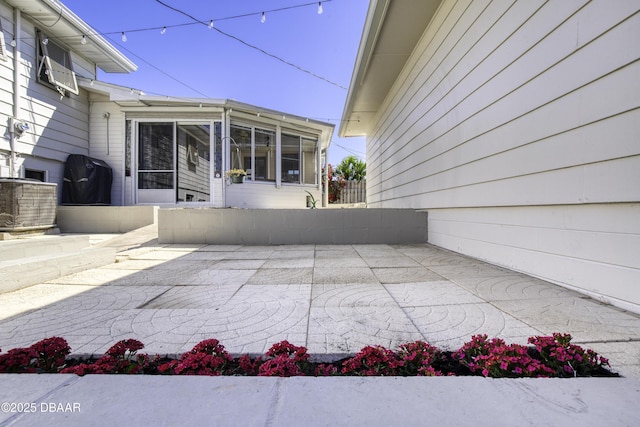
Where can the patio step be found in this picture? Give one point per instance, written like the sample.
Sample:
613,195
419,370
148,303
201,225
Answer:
41,245
27,262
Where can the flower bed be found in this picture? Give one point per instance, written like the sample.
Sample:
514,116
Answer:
547,356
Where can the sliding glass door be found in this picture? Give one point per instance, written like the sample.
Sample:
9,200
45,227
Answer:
174,161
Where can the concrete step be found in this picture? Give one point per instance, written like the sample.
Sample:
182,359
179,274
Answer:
41,246
21,273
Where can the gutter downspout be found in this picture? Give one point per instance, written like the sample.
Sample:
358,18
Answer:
13,138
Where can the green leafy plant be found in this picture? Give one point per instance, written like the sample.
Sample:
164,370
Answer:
351,168
313,200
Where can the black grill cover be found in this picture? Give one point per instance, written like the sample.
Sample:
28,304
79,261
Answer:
87,181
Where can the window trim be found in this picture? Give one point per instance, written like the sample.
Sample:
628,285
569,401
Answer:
3,45
254,129
45,60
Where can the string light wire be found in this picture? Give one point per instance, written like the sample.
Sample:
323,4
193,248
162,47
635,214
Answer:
271,55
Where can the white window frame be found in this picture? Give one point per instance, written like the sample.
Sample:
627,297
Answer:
3,45
55,68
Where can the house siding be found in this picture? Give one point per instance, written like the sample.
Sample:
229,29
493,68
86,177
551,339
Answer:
109,147
6,87
59,126
510,122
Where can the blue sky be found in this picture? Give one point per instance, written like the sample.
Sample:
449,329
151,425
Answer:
191,60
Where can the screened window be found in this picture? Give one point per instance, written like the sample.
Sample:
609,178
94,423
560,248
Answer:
290,158
309,161
155,156
54,66
299,159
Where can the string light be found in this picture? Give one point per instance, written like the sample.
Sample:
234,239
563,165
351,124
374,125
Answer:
320,8
210,25
263,18
83,40
13,43
45,41
163,30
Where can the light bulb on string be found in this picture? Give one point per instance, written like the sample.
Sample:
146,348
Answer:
264,18
211,24
320,8
124,37
45,41
13,43
163,30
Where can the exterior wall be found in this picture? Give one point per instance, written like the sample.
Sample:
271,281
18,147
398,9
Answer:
517,125
110,146
268,196
6,89
57,126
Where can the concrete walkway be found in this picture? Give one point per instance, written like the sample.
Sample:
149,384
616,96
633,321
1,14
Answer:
332,299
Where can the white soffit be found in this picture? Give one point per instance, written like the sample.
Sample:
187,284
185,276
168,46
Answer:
392,30
59,22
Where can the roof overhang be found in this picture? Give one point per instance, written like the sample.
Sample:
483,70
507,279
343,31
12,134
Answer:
61,23
391,31
136,100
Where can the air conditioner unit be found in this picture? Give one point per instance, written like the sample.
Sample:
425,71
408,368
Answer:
27,205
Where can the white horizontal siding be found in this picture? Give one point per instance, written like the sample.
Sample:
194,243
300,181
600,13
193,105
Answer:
195,183
509,112
592,248
109,149
58,126
6,82
511,116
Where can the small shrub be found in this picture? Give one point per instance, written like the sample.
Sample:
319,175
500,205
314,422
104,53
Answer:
371,361
566,359
121,358
417,358
493,358
208,357
284,360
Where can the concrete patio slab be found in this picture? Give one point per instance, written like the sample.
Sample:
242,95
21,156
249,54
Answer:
405,274
513,287
324,275
326,297
425,294
587,319
450,326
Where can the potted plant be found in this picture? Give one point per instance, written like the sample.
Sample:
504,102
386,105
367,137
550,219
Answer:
236,175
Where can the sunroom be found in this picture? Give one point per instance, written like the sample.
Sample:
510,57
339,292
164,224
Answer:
179,151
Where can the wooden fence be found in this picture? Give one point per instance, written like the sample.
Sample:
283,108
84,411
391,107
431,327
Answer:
354,192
